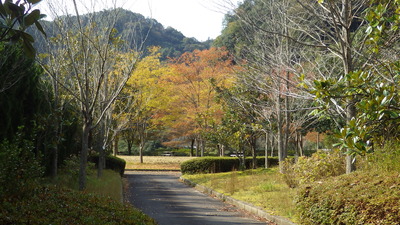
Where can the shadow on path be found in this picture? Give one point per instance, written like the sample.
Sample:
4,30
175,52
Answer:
170,202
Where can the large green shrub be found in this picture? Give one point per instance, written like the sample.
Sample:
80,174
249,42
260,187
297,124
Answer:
220,164
309,169
112,163
19,168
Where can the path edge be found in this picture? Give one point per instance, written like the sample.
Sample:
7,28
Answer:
257,211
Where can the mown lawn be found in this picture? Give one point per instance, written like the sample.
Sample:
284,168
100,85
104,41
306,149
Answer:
154,162
261,187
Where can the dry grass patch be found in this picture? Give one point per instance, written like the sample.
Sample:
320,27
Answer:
261,187
154,162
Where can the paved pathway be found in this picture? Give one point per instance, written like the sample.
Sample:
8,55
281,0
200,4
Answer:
170,202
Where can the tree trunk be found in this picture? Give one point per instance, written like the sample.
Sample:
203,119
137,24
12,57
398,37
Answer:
346,44
300,144
54,163
266,149
102,162
84,154
141,147
253,143
281,152
203,146
116,140
197,147
192,148
272,145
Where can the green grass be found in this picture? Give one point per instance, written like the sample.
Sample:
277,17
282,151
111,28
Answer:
58,201
154,162
50,204
261,187
109,185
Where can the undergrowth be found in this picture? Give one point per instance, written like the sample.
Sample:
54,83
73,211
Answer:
370,195
35,200
54,205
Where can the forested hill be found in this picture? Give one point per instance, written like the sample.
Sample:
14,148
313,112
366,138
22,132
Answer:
135,28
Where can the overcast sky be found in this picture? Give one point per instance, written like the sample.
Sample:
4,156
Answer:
201,19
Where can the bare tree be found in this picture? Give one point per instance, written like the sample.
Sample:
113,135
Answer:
306,39
87,51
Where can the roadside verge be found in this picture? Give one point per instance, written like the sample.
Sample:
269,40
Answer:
257,211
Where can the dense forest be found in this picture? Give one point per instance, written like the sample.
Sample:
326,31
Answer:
139,32
87,86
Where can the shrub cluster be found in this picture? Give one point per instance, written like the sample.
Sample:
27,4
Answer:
309,169
369,196
220,164
19,169
357,198
112,163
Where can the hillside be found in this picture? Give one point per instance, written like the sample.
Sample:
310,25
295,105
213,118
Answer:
135,28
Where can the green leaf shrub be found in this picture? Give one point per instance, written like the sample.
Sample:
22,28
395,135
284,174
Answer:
19,169
112,163
368,196
357,198
309,169
220,164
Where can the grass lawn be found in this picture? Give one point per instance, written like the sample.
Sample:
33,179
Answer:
154,162
261,187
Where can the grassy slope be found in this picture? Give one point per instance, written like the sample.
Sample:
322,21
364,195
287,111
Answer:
369,196
54,205
261,187
59,202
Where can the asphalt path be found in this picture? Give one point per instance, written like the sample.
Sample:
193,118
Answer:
170,202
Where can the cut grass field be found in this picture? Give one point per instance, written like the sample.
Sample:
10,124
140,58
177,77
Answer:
261,187
154,162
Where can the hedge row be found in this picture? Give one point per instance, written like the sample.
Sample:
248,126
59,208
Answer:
112,163
220,164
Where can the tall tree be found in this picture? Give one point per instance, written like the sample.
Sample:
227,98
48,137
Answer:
195,75
148,97
87,54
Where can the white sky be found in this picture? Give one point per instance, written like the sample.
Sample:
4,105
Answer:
201,19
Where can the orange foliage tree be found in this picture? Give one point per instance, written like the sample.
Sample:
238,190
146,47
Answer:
193,84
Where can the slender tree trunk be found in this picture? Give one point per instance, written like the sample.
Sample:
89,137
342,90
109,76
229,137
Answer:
202,147
346,44
141,147
84,153
266,149
116,140
281,154
301,145
297,152
317,141
272,145
253,147
192,148
197,147
54,164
